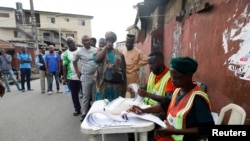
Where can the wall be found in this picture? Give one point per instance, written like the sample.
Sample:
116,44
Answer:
8,22
219,39
67,27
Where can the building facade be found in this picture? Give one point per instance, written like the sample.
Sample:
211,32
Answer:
17,25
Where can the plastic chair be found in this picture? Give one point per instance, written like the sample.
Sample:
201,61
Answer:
237,116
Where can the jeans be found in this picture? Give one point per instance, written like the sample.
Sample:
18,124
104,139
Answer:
50,80
74,88
25,75
10,73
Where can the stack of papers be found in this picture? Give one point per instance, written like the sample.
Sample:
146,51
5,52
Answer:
105,119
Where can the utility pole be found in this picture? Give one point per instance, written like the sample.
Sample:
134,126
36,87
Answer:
34,29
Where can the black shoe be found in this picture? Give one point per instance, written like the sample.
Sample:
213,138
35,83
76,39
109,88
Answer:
76,113
23,90
30,89
82,117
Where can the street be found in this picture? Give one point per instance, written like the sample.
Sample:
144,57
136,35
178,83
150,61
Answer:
32,116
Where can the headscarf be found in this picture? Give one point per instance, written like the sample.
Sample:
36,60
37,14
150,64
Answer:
110,35
185,65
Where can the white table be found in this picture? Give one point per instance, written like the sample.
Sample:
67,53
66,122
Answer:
141,127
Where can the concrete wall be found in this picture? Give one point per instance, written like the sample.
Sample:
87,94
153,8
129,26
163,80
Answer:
219,39
69,27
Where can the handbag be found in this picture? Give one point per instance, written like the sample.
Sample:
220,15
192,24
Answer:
112,76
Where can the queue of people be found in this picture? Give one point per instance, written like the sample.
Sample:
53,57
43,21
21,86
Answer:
105,72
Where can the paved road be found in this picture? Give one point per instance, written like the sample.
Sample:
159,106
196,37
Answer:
32,116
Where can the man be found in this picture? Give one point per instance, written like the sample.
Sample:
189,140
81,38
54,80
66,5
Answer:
159,81
135,59
69,74
40,62
188,113
88,67
52,61
102,42
6,70
93,42
2,89
25,68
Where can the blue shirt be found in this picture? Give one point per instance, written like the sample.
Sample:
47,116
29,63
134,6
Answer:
53,59
24,56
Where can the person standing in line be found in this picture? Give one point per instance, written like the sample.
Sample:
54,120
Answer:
40,62
102,42
6,70
2,89
52,61
69,74
135,59
188,112
110,58
88,67
25,68
93,42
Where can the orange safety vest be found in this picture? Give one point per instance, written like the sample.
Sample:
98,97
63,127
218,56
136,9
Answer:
176,114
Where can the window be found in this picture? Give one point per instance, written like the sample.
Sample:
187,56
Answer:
17,34
81,22
66,19
5,15
51,20
72,35
46,36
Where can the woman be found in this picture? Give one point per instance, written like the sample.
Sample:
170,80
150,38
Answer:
188,113
109,57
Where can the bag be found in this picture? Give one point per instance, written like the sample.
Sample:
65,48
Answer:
112,76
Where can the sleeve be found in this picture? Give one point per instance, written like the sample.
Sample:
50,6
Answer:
76,56
58,58
165,103
170,87
204,117
143,59
45,59
8,58
18,56
30,58
65,59
37,61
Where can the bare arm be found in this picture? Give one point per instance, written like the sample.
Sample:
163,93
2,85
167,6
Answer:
152,109
76,68
101,54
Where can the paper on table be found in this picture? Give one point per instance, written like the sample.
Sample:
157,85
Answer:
135,87
121,104
149,117
104,119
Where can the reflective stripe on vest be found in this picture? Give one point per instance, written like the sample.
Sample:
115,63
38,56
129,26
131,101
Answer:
179,116
161,91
